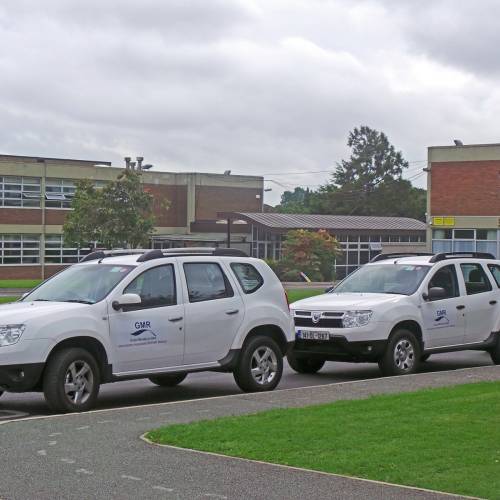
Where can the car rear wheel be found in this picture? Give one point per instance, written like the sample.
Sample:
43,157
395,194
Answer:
71,381
402,355
304,365
260,365
168,380
495,352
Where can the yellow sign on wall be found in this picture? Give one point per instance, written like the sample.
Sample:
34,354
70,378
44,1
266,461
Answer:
443,221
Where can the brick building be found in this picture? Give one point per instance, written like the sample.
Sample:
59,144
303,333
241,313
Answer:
36,193
463,203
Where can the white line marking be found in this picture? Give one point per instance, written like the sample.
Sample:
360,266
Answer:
83,427
84,471
256,395
42,453
105,421
68,460
54,434
162,488
52,443
301,469
143,418
132,478
213,495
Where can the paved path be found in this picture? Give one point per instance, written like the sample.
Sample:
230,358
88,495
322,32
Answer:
100,454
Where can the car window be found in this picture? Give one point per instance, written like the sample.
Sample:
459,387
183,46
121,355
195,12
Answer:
206,281
495,270
248,277
475,278
156,287
446,278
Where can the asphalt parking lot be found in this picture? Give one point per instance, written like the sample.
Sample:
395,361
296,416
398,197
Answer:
211,384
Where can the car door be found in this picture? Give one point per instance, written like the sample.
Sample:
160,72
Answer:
481,305
444,320
149,336
214,312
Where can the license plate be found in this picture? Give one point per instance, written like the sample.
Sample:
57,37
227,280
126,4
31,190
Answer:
310,335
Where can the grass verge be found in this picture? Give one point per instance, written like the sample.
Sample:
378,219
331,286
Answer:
19,283
445,439
295,294
5,300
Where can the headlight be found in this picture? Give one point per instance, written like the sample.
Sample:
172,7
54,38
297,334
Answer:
353,319
10,334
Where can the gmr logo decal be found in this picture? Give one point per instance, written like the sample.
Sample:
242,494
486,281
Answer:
143,327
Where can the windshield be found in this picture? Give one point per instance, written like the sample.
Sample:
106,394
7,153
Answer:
87,284
384,278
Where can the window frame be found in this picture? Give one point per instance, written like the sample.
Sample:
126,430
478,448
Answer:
29,243
457,282
141,306
31,186
227,283
261,281
485,274
490,269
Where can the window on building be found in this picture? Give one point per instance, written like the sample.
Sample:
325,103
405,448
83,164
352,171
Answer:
19,191
18,249
56,252
59,193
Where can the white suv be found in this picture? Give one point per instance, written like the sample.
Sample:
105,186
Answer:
145,314
399,309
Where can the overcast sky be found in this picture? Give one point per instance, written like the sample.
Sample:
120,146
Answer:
267,87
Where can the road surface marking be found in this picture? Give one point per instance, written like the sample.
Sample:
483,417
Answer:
52,443
213,495
83,427
84,471
162,488
132,478
68,460
42,453
54,434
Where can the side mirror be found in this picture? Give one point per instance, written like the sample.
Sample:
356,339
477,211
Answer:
127,299
435,293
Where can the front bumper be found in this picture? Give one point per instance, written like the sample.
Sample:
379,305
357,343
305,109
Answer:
339,348
20,378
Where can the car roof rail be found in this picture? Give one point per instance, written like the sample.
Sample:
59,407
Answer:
102,254
191,252
387,256
461,255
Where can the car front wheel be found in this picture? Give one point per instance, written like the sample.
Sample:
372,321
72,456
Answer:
260,365
168,380
304,365
495,352
402,355
71,381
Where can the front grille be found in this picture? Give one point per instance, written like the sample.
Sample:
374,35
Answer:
322,323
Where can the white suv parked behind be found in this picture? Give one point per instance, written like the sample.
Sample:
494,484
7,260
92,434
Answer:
400,309
145,314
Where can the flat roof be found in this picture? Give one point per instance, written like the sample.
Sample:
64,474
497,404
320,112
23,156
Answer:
278,221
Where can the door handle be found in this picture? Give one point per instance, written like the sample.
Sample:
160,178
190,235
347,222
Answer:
174,320
461,307
493,302
232,311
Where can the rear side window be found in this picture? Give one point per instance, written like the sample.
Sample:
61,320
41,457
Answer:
248,277
495,270
156,287
206,281
475,278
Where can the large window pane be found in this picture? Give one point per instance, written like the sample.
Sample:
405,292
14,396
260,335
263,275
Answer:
57,252
19,191
19,249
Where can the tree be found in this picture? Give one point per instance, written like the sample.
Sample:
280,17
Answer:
310,252
296,201
118,215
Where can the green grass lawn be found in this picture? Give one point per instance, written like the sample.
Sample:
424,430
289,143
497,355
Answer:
5,300
445,439
19,283
303,293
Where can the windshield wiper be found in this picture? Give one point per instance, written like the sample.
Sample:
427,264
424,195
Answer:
78,301
42,300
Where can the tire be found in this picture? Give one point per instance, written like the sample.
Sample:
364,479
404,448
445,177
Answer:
495,352
170,380
424,357
64,369
304,365
1,394
402,354
252,377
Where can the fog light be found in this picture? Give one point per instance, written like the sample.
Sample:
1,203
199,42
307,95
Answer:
369,348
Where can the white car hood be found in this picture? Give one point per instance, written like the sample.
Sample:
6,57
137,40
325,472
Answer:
20,312
345,301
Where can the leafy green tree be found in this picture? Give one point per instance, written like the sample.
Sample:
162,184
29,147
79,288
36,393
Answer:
296,201
310,252
118,215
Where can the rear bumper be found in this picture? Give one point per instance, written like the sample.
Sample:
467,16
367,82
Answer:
20,378
338,348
